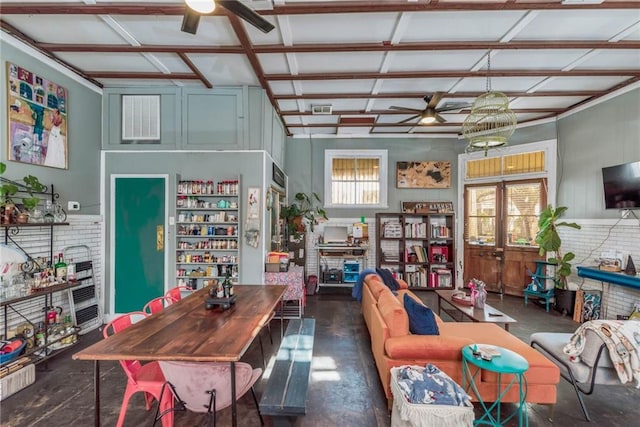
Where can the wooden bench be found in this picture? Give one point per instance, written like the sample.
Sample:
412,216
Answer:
285,395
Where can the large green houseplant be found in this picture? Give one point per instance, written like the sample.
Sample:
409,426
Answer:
305,209
550,242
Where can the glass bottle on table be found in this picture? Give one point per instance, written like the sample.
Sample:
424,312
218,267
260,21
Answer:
227,285
60,269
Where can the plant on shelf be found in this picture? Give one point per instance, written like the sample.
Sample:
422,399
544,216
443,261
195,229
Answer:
31,185
549,241
305,209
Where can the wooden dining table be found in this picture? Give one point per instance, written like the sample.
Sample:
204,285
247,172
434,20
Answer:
186,331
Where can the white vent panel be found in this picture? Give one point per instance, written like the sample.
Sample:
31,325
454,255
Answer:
321,109
140,118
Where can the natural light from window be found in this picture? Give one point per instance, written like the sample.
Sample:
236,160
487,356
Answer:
356,178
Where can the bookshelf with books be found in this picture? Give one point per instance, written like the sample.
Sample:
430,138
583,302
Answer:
418,248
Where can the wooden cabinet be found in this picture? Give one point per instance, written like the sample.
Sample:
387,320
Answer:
419,248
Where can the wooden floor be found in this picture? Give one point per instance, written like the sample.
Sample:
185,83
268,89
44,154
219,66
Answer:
344,391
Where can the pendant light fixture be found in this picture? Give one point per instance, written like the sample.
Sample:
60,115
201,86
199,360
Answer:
490,123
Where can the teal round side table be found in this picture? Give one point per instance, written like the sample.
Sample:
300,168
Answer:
508,362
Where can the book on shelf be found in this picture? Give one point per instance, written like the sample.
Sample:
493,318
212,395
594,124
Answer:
421,252
440,231
415,230
417,278
443,277
392,230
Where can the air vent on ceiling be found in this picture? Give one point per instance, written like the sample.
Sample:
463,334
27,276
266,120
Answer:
321,109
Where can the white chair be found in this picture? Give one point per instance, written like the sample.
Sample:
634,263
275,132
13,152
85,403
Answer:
594,366
206,387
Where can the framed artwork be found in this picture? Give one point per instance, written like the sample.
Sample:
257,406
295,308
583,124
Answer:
36,118
252,221
423,174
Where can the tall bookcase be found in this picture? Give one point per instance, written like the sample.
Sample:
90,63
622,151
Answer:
207,231
419,248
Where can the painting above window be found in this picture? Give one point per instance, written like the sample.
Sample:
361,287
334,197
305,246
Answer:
426,174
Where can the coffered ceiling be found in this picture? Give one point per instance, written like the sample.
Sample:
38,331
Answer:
352,60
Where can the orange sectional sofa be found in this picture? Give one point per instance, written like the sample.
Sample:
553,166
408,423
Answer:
393,345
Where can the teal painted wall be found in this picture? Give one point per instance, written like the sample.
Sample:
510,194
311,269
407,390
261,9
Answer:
81,182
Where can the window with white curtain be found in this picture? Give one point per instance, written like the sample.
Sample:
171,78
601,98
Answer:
355,178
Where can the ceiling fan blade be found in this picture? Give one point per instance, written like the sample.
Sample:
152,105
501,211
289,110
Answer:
453,106
190,21
246,13
440,119
410,119
435,99
413,110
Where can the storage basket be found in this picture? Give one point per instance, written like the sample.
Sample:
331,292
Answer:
16,381
405,414
7,357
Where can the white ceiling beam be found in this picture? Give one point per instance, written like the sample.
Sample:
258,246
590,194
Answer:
401,27
624,33
456,86
583,58
483,61
396,37
129,38
284,25
519,26
538,85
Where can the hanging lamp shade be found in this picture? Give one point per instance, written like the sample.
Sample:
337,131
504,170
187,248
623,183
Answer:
490,123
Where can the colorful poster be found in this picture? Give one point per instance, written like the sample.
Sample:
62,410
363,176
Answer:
37,119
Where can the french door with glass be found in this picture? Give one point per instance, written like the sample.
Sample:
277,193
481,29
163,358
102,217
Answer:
500,226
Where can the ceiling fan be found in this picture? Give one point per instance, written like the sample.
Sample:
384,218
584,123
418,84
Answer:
196,8
431,113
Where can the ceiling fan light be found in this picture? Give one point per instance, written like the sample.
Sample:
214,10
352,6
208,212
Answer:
427,119
201,6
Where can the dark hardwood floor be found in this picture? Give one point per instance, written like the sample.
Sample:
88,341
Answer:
344,391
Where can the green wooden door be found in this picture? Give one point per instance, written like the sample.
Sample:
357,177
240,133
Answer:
139,218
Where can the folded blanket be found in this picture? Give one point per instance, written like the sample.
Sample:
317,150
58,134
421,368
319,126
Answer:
431,386
622,338
356,292
388,279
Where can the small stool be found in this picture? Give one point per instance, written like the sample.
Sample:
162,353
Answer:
507,363
538,286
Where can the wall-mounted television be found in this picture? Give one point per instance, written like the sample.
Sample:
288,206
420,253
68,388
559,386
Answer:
622,186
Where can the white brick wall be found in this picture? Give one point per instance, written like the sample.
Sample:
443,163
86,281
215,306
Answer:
595,237
82,230
312,239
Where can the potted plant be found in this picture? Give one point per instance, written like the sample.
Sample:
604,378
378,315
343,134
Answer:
305,209
549,242
9,188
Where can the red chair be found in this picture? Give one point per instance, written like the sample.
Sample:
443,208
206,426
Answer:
156,305
147,378
175,294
